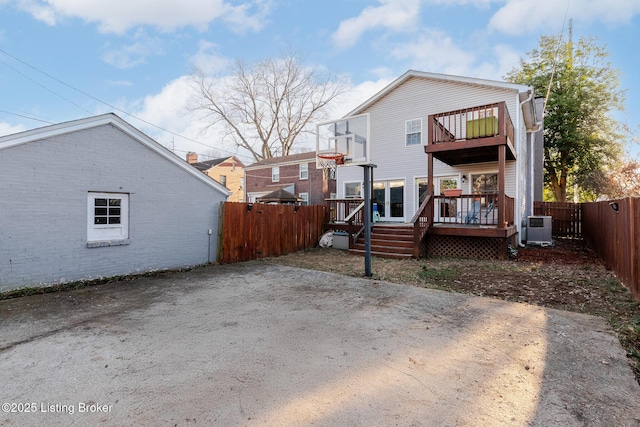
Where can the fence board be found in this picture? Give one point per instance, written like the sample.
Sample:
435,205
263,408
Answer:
267,230
567,217
615,237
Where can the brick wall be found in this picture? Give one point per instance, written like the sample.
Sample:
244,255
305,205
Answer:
44,189
318,188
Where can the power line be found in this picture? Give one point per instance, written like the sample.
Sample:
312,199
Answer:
101,102
26,117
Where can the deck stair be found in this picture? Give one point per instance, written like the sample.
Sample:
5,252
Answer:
388,241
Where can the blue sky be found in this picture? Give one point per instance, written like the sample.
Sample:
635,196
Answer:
66,59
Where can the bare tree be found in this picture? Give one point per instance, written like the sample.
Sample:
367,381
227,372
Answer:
266,107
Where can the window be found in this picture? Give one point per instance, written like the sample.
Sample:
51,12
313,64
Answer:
275,174
223,180
414,131
352,190
486,185
108,217
305,198
304,171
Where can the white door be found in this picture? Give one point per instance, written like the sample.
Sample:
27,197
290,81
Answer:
389,198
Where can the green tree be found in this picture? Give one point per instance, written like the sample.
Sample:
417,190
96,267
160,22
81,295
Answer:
581,139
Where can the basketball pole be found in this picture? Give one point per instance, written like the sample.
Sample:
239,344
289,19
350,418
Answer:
368,171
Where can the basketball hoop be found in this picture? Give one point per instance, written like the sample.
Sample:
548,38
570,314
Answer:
329,160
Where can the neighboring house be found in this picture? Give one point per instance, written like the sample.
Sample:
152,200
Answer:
480,136
296,173
95,198
228,171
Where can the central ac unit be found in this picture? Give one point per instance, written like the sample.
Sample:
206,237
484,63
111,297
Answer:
539,230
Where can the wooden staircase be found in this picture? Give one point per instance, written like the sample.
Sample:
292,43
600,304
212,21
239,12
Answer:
388,241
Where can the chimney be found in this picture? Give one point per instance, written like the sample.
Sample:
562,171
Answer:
192,157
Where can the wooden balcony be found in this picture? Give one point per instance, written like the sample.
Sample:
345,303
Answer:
471,135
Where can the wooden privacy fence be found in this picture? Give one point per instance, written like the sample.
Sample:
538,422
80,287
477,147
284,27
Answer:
567,217
256,230
612,230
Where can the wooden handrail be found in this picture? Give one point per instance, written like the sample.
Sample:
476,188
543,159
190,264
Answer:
354,212
421,221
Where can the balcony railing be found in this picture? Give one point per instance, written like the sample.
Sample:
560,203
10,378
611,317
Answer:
484,121
473,210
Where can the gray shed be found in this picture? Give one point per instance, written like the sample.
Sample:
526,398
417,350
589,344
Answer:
95,198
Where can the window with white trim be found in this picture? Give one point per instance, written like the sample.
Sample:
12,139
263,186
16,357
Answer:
275,173
107,217
304,170
413,130
352,190
305,199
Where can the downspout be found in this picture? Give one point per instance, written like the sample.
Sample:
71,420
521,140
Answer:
531,138
519,219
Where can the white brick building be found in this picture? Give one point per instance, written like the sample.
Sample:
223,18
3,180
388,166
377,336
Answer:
97,198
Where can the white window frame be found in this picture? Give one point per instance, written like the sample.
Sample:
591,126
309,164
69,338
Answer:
275,173
346,196
412,128
305,198
108,233
304,171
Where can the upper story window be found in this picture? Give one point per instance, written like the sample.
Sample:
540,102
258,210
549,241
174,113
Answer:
223,180
275,174
304,170
413,131
107,217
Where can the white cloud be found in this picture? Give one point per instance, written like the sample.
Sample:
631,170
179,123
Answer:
134,54
7,129
395,15
208,59
519,17
117,16
168,109
435,51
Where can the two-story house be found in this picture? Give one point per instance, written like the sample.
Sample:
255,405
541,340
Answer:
296,174
430,133
228,171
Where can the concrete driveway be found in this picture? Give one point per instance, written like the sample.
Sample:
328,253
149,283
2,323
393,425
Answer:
258,344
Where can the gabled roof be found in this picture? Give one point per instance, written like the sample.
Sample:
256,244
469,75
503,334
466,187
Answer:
523,89
279,161
208,164
115,121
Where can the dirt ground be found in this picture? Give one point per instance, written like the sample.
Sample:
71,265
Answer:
567,276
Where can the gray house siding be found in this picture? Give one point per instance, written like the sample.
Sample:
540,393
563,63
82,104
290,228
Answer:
418,98
44,188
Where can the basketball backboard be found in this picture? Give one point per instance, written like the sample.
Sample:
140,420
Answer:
348,136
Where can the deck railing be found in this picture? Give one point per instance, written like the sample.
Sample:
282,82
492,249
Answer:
421,222
347,215
472,209
490,120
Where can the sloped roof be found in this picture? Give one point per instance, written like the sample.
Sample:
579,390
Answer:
279,196
278,161
522,89
208,164
112,119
